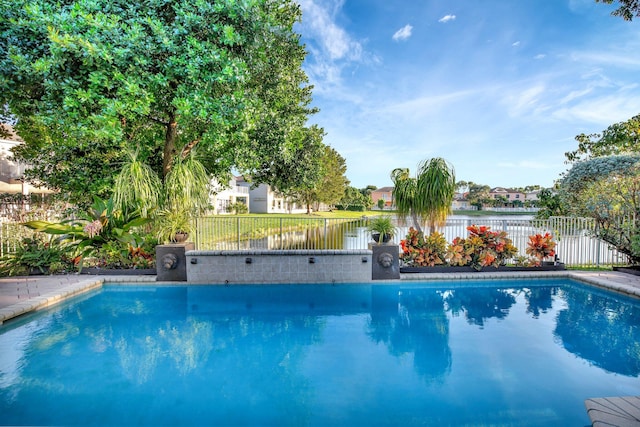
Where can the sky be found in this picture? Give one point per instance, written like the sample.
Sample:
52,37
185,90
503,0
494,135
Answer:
498,88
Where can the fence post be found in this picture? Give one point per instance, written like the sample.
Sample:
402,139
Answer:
238,232
326,222
281,236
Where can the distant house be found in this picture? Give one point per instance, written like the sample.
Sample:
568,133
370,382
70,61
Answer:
384,193
511,197
264,199
10,170
223,196
460,202
532,196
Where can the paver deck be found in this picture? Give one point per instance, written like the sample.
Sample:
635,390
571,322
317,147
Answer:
614,411
21,295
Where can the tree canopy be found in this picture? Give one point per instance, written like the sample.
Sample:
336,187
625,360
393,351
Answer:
588,171
478,194
626,10
330,185
89,79
356,199
606,189
619,138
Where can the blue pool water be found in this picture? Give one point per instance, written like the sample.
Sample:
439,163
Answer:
522,353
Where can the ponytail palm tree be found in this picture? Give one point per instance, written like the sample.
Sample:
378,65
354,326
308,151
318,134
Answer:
427,197
174,203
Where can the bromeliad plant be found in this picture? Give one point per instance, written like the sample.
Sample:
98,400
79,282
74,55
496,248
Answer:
541,246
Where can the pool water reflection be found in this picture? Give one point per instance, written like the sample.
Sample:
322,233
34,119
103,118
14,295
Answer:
449,353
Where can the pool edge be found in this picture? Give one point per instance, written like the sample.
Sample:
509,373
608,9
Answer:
610,280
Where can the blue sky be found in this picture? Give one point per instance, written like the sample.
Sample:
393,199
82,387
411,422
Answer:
499,88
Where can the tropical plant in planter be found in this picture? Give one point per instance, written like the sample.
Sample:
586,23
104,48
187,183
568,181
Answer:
459,254
541,246
484,248
421,251
174,225
382,229
186,195
99,225
173,203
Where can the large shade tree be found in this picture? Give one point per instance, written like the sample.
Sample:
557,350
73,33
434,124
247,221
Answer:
607,189
603,184
89,79
330,185
427,197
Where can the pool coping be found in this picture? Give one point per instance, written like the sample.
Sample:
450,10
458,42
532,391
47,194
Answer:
615,281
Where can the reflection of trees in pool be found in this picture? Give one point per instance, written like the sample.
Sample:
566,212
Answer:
186,343
420,326
196,352
480,304
539,299
601,330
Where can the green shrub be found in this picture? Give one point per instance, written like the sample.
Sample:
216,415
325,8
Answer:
36,254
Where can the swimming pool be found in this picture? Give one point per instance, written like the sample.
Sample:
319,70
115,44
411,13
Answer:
449,353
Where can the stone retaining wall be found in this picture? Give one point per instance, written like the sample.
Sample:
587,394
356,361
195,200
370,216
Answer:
279,266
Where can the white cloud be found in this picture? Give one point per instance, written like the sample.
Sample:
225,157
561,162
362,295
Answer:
622,60
540,56
522,101
426,104
335,42
403,33
516,44
447,18
331,48
602,111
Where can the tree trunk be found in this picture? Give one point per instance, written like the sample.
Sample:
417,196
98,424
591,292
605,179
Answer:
416,221
169,152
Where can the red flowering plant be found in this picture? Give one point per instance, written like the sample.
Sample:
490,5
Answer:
541,246
421,251
482,248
